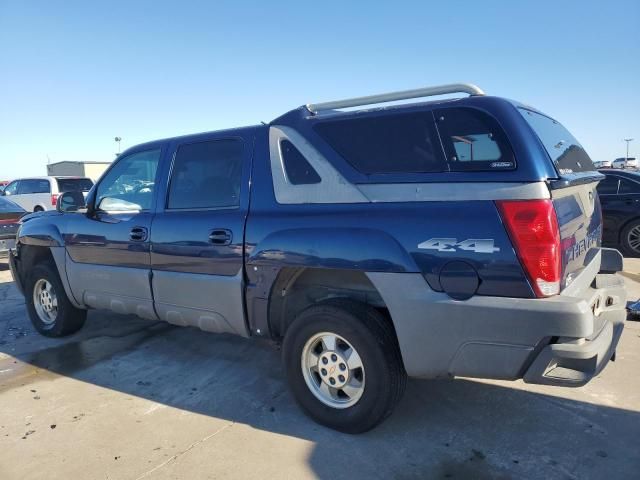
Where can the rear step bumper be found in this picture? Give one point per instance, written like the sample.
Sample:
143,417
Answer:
565,339
574,364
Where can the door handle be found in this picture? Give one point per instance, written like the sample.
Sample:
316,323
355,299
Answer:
138,234
220,236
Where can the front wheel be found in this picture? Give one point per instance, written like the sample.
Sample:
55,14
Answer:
343,365
50,310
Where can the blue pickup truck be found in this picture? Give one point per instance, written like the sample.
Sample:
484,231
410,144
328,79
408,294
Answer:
456,237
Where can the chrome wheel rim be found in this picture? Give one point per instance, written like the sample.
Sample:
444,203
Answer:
333,370
45,301
633,238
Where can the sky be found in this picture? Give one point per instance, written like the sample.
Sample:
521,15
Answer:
76,74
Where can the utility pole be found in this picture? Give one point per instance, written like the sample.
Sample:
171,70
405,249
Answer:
628,140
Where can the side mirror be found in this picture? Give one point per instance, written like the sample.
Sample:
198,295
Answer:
70,202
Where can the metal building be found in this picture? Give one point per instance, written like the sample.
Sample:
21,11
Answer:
93,170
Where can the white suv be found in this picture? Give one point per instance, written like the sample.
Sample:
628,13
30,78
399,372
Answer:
37,194
630,162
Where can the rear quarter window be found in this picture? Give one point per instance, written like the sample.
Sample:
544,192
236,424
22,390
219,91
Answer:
402,143
473,141
296,167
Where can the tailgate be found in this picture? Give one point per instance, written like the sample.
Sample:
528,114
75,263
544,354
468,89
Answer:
573,192
580,221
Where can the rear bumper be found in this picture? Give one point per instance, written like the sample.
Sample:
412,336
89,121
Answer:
573,364
6,244
566,339
14,265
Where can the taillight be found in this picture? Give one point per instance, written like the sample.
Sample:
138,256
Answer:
54,199
533,228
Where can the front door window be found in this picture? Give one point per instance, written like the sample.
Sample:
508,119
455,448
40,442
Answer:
129,185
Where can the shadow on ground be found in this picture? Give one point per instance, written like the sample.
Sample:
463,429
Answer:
441,429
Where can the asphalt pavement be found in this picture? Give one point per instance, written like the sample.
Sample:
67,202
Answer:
129,399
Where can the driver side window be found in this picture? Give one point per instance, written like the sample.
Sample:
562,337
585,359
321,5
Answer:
129,185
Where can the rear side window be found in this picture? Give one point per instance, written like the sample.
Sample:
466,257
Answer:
565,151
34,186
74,184
206,175
297,168
404,143
627,186
473,141
608,186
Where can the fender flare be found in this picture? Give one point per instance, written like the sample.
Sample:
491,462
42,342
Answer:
39,233
357,249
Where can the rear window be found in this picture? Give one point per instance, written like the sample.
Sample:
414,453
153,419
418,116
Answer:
411,143
565,151
608,186
74,184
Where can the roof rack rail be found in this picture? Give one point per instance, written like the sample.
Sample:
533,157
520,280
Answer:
393,96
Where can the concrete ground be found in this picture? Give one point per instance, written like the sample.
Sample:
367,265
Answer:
132,399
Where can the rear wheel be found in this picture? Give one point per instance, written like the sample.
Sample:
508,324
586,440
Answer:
50,310
38,209
630,239
343,365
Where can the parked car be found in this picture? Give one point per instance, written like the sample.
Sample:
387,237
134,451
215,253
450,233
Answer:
10,214
630,162
37,194
603,164
619,195
439,239
3,183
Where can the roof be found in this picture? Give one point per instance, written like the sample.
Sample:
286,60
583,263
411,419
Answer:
50,177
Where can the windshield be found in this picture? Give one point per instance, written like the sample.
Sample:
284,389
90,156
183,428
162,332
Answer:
74,184
565,151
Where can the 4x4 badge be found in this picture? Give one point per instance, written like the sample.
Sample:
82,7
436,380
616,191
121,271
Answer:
478,245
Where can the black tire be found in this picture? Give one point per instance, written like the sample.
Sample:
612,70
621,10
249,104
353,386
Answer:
68,319
38,209
372,336
625,245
